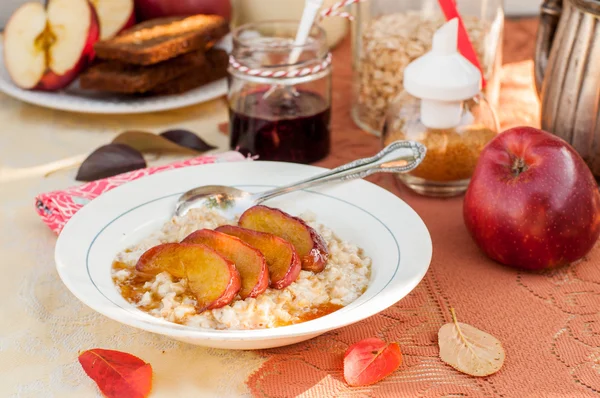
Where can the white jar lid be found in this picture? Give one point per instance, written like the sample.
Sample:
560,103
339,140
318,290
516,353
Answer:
442,78
443,73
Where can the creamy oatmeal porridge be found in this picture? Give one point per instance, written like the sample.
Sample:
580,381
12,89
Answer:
344,278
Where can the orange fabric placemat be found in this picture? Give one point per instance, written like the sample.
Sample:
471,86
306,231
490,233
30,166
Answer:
548,323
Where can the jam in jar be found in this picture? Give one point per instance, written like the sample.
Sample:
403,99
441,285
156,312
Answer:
284,112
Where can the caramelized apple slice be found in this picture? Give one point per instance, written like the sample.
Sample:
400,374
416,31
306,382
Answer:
282,258
166,257
249,262
309,244
211,278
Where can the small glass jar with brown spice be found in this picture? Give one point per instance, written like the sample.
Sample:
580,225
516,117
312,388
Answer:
443,108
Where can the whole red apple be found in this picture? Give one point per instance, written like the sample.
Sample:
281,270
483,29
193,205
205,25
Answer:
532,202
149,9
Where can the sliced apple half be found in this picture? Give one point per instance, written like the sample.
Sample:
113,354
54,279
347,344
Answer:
213,279
45,49
281,256
165,257
114,16
249,261
311,247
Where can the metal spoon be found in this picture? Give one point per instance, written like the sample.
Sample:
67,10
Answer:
398,157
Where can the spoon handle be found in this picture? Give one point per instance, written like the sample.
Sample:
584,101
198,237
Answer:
398,157
311,8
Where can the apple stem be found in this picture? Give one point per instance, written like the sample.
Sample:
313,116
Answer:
519,166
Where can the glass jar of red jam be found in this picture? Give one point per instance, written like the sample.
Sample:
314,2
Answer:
280,93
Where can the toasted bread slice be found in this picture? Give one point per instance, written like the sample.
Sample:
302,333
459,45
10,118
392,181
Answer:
117,77
160,39
214,69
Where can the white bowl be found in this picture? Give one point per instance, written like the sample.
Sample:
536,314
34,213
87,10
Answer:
388,230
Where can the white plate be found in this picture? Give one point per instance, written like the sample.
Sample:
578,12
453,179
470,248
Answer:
74,99
389,231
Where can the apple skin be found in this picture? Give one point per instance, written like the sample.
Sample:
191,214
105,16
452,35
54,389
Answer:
543,216
150,9
50,81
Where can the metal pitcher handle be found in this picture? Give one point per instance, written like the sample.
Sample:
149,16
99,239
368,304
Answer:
550,15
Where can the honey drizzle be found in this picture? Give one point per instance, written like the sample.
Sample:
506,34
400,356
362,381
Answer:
316,312
132,289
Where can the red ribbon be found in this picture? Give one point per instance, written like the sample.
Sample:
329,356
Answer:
464,42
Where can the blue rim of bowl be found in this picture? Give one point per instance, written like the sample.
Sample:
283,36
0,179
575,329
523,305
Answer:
224,332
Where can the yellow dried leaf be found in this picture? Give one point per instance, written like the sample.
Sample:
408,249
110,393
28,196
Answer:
468,349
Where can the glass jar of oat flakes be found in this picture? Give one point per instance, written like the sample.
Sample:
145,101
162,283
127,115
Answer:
389,34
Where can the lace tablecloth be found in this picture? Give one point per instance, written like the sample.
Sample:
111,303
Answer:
549,323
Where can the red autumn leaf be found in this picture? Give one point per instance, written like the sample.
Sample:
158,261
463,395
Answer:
369,361
118,374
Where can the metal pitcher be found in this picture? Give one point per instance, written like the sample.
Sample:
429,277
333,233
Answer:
567,74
